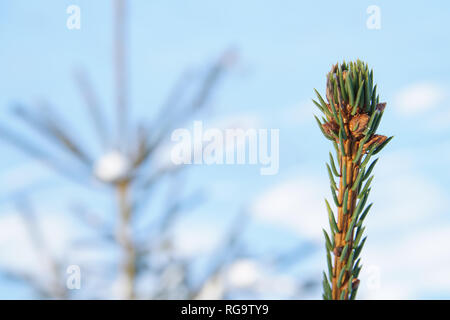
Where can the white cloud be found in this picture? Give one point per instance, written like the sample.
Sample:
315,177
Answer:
297,204
402,193
14,236
194,238
409,265
411,199
21,255
419,97
213,289
277,286
243,273
248,274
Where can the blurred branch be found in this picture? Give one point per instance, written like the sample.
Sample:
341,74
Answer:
142,143
120,68
30,149
165,122
125,240
49,128
174,97
149,183
225,60
54,287
92,102
168,218
224,251
92,220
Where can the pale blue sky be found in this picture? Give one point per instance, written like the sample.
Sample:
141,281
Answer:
286,48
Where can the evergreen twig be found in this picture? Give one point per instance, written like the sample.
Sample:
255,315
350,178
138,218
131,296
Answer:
351,127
